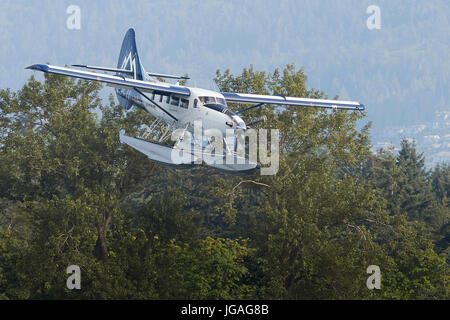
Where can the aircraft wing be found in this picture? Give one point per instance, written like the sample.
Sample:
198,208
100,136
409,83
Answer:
114,80
290,101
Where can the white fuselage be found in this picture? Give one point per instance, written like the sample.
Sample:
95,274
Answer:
203,105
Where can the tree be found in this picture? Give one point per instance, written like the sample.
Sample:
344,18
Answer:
318,223
415,196
440,181
70,193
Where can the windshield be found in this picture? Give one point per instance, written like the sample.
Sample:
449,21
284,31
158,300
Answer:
213,100
220,108
207,100
221,101
215,103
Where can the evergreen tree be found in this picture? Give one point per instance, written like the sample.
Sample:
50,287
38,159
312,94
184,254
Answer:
70,193
415,195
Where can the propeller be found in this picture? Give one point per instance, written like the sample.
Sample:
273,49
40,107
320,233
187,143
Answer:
257,121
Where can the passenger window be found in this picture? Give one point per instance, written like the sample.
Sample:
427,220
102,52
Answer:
195,103
168,99
184,103
161,98
175,101
153,96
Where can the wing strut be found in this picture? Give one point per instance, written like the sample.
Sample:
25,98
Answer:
252,107
153,102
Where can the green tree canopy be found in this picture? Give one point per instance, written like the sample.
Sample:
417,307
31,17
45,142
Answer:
70,193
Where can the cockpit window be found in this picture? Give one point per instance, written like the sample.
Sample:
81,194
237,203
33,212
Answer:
220,108
210,100
215,100
221,101
216,103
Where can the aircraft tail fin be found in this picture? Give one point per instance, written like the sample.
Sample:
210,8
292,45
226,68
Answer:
129,57
129,60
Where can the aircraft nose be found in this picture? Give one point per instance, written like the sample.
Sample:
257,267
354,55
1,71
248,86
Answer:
240,124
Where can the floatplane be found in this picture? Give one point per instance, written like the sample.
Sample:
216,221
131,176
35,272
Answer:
180,107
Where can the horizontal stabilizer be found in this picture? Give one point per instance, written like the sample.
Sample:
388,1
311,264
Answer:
104,69
161,75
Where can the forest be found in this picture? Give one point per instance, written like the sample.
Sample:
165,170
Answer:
72,194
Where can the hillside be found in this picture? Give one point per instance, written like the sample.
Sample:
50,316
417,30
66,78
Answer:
400,72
